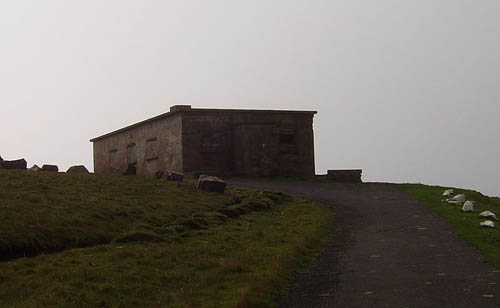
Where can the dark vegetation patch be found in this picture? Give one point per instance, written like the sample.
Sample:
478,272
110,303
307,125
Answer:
138,242
466,225
53,211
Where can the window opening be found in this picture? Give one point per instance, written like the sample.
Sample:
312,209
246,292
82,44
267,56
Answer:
112,158
131,154
151,149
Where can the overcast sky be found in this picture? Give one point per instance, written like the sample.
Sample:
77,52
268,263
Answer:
406,90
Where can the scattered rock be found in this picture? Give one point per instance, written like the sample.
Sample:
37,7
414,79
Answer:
50,168
35,168
488,214
468,206
175,176
78,169
19,164
448,192
454,202
488,223
460,198
211,183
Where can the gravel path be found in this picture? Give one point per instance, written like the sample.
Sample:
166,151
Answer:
388,250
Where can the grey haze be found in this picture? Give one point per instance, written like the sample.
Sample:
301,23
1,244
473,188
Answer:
407,90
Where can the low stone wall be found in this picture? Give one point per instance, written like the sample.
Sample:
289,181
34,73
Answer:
348,176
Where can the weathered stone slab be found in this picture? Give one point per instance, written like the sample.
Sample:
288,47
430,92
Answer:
78,169
448,192
468,206
487,223
211,183
50,168
488,214
347,176
19,164
35,168
175,176
459,198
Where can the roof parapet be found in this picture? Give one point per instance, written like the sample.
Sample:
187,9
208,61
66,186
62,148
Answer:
176,108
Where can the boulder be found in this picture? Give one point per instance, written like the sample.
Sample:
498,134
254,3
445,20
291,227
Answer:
1,159
448,192
487,223
175,176
78,169
458,198
488,214
19,164
468,206
35,168
50,168
211,183
454,202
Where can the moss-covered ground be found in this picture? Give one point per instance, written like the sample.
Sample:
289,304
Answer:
111,241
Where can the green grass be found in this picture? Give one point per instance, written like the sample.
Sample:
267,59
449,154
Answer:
466,225
111,241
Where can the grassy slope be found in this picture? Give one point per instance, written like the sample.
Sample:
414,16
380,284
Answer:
149,243
466,224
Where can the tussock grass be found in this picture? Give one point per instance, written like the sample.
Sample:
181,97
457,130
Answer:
466,224
44,212
137,242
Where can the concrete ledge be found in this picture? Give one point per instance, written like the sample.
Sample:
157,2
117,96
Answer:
348,176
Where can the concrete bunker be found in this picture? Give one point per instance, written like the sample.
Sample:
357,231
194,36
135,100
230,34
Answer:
216,141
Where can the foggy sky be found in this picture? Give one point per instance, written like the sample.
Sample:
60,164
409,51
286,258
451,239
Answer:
406,90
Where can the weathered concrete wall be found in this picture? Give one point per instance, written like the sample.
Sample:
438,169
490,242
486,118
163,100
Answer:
214,141
248,142
206,142
168,133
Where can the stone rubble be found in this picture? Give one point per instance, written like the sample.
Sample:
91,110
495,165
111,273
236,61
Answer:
19,164
77,169
488,223
448,192
35,168
211,183
460,197
488,214
468,206
50,168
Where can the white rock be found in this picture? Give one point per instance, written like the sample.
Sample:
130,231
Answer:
460,197
468,206
454,202
488,214
448,192
488,223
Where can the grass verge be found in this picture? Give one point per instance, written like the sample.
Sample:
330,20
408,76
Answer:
170,247
466,225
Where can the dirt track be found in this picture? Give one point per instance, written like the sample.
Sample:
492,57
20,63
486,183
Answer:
388,250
